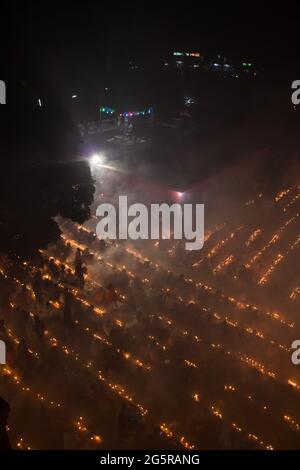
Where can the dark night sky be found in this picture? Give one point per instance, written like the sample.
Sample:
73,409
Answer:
69,37
142,26
69,47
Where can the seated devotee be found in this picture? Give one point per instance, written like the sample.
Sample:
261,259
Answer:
5,306
39,328
4,412
78,257
111,297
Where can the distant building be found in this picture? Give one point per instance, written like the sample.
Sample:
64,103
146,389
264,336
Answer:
220,65
187,60
228,68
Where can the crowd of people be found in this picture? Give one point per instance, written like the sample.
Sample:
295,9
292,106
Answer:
135,351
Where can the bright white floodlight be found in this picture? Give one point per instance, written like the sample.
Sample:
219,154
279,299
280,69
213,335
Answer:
179,194
97,159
